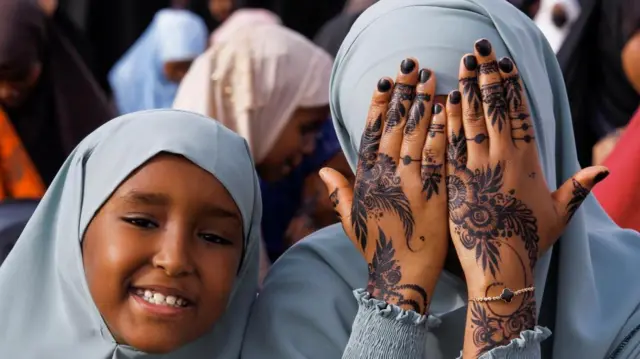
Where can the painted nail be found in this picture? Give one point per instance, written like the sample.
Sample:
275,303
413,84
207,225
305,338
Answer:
471,63
437,108
424,76
484,47
407,66
384,85
506,65
455,97
600,176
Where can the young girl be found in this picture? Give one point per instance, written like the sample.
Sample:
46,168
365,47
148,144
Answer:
145,243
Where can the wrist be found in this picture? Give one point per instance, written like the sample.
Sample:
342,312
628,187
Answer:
411,293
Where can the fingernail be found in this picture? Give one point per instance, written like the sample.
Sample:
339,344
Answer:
484,47
424,76
407,66
455,97
600,176
384,85
471,63
506,65
437,108
322,173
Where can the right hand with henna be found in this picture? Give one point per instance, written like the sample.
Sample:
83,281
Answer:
397,215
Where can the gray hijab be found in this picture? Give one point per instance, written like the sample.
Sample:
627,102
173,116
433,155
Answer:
46,310
598,281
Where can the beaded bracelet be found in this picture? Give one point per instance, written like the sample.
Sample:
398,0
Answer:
506,295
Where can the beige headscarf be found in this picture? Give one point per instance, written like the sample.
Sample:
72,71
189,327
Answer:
254,80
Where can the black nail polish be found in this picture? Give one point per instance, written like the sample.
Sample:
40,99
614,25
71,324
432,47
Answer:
407,66
455,97
424,76
506,65
384,85
600,176
471,63
484,47
437,108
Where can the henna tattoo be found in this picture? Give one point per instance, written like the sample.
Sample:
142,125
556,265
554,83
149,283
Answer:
417,112
485,217
370,144
471,91
385,276
580,193
397,110
457,149
515,104
492,96
431,177
491,330
406,160
488,68
479,138
378,190
435,128
513,91
335,201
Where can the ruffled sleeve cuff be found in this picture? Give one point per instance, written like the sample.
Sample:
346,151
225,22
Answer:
383,330
527,346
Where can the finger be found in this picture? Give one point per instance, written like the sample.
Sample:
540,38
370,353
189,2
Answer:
370,141
433,154
456,141
341,196
522,133
492,91
473,122
401,98
417,125
573,192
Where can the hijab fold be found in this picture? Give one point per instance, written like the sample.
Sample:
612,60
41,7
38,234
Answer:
255,80
138,79
598,288
47,310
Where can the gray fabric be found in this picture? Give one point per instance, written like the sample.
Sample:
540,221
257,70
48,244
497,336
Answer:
46,309
598,284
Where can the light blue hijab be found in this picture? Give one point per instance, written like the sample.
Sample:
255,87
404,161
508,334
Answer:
46,310
306,307
137,79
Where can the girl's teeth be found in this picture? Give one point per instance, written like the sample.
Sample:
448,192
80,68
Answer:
160,299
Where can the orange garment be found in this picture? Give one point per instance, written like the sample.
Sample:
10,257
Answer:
18,176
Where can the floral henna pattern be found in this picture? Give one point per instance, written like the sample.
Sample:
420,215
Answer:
471,91
416,113
491,330
485,216
385,277
378,187
397,110
580,193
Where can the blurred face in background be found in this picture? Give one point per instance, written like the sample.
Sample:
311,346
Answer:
296,140
17,82
220,9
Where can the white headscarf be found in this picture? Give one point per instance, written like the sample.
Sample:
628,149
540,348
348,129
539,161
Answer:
255,80
46,310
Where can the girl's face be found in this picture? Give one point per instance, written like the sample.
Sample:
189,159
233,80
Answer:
162,254
298,138
17,82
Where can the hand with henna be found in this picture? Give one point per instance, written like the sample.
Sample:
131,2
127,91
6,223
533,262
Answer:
397,213
502,215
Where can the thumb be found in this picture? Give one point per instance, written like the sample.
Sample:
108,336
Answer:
340,194
574,191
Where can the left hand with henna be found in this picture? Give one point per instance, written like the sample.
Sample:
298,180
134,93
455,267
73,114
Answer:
502,215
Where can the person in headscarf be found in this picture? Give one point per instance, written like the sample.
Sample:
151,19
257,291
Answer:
586,288
145,246
48,93
556,18
148,75
619,194
271,86
18,176
236,14
600,61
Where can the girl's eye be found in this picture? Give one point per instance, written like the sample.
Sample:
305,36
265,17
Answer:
141,222
215,239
